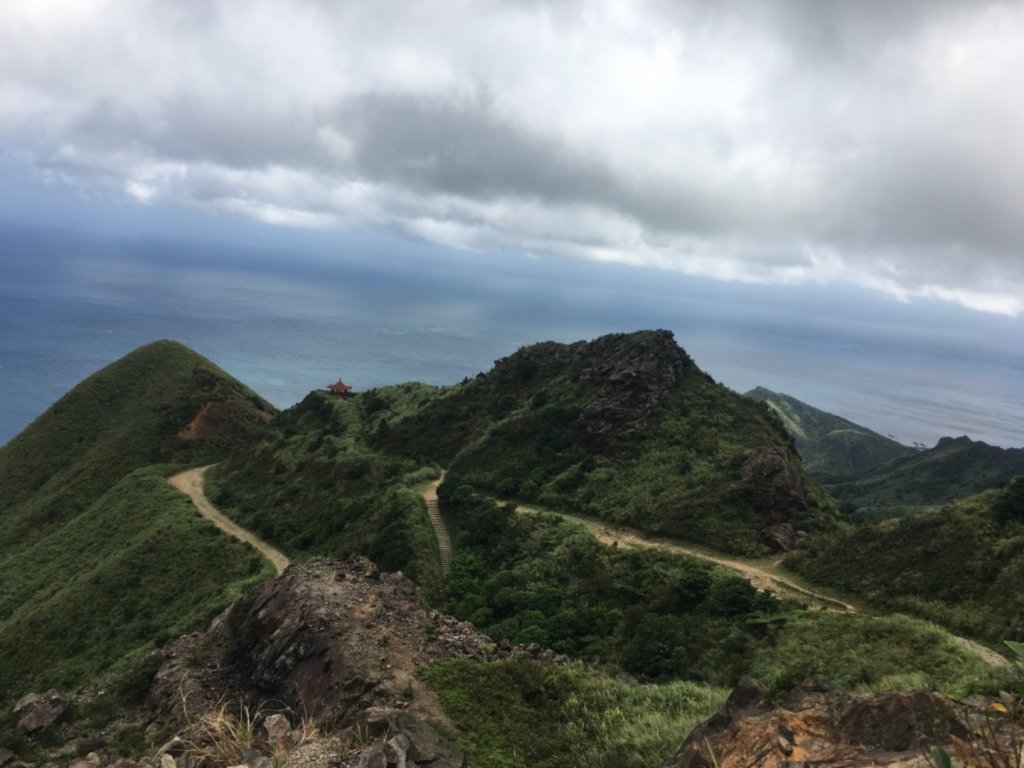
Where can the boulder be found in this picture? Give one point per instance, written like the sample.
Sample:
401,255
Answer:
35,710
419,742
817,727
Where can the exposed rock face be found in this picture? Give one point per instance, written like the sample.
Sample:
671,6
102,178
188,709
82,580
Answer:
325,639
780,491
35,710
340,643
816,727
632,379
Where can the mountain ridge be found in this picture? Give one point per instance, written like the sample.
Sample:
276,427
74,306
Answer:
625,426
830,445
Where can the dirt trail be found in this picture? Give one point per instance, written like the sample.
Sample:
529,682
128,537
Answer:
444,543
190,482
757,575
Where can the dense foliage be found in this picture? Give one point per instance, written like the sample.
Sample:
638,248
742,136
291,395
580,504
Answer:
137,569
521,714
126,416
954,469
539,579
625,427
536,578
314,487
961,566
830,446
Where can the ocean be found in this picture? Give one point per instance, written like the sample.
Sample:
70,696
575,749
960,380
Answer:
300,312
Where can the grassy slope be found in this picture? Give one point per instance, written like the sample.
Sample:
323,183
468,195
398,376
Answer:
625,427
123,417
137,569
97,563
521,714
962,565
953,469
315,487
829,445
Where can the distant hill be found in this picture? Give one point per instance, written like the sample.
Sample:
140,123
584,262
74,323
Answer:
954,469
830,445
161,403
627,428
99,557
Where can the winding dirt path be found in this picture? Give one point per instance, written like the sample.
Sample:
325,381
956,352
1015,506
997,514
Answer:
190,482
756,574
444,543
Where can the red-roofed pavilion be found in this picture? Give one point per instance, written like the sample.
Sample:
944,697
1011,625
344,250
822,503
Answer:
340,389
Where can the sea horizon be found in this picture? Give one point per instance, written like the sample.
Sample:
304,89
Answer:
299,315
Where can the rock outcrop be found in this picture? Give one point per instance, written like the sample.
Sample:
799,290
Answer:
780,491
816,727
326,639
38,710
338,644
630,382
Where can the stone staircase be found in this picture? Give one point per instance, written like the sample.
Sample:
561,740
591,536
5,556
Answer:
444,544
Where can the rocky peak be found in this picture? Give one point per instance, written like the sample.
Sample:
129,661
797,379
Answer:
630,374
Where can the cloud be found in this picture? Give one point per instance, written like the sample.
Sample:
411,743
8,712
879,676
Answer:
786,141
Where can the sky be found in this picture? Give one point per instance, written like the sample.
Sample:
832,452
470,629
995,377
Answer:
864,159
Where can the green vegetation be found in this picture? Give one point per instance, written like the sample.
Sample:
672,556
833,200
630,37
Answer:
126,416
829,445
626,428
522,714
137,569
99,562
537,578
102,561
314,487
954,469
861,652
961,566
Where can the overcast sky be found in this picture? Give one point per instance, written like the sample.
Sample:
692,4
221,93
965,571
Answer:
879,144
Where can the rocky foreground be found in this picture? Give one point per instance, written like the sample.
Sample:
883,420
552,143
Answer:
812,726
320,667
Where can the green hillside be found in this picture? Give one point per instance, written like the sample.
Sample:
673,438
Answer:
830,446
962,565
100,558
954,469
107,561
135,570
315,487
626,428
160,403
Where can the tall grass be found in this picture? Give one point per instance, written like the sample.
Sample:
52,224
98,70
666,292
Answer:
522,714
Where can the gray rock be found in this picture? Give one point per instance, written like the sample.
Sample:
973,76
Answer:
396,749
6,756
425,744
35,710
279,733
92,760
374,756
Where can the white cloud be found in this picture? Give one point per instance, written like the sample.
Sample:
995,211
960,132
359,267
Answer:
787,141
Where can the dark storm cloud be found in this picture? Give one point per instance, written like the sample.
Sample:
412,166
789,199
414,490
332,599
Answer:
874,143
